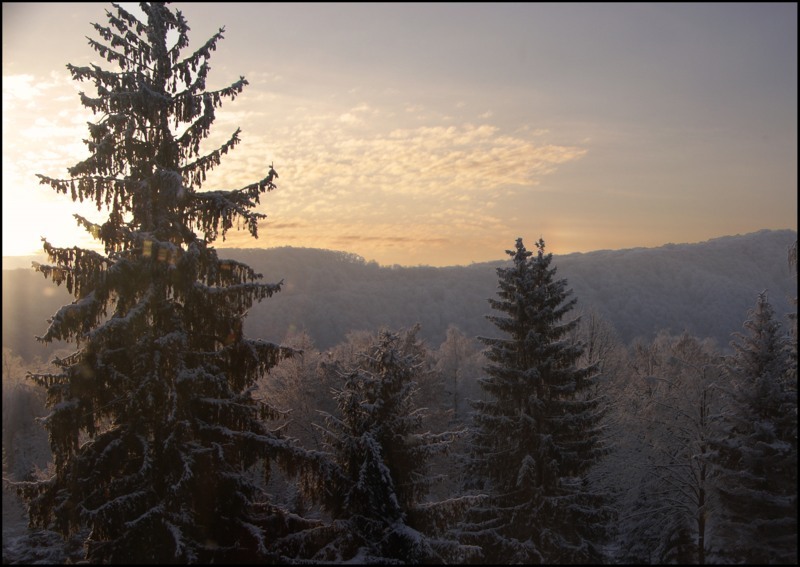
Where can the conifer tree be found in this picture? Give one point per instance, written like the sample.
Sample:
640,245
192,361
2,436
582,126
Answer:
377,487
758,455
152,424
791,338
537,433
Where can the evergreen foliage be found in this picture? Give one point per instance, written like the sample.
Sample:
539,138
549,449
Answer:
376,493
538,433
758,455
791,342
152,423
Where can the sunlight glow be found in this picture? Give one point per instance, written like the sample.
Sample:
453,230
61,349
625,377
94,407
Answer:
440,163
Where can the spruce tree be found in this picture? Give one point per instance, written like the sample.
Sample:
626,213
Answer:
376,490
758,455
537,432
152,424
791,333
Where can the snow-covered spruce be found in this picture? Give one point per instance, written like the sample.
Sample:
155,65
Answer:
152,423
757,456
376,488
537,433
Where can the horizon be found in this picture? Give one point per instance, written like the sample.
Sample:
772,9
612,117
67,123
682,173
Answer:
14,259
596,127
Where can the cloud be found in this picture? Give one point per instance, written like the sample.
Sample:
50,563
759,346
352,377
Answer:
19,89
284,225
361,176
442,160
358,173
347,239
361,149
349,117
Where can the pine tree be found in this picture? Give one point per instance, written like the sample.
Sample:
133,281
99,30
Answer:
758,456
537,434
377,488
152,424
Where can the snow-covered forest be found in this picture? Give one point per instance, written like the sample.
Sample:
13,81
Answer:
173,426
665,397
328,294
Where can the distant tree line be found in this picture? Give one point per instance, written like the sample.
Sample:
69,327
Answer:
329,294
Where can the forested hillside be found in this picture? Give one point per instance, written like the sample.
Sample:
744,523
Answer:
652,497
701,288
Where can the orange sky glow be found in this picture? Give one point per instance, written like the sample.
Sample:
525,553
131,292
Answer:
437,134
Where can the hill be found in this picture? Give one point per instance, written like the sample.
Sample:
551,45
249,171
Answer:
704,288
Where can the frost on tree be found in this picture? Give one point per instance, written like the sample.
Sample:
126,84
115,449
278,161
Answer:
662,459
537,432
152,422
376,488
758,453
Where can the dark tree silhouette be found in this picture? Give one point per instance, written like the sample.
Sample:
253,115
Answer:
152,423
758,452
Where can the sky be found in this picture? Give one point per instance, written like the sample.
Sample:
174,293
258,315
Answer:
437,134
